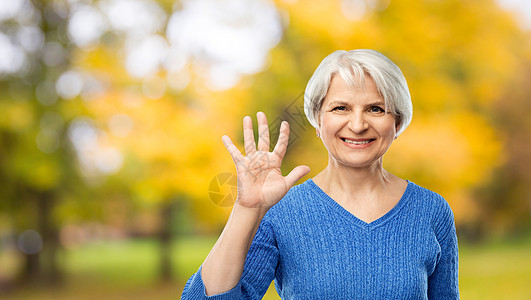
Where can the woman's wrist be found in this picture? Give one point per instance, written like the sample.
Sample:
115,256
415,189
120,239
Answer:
249,213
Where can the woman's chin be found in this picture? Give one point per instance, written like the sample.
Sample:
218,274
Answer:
358,162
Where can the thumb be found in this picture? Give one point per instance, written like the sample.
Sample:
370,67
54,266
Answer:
296,174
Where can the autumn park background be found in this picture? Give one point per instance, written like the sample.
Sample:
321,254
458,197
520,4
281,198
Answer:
114,180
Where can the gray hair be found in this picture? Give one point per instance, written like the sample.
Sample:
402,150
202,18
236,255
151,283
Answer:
353,65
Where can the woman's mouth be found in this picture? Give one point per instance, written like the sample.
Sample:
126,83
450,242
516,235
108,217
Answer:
357,141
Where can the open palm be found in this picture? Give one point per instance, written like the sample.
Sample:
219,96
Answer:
260,181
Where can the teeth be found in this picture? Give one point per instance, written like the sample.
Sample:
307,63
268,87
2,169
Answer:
357,143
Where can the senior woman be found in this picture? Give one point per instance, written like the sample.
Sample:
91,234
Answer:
354,231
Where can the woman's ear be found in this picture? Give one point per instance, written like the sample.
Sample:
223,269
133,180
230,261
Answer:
319,123
397,124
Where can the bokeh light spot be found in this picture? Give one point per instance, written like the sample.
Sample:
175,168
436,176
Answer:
53,54
354,9
145,56
31,38
231,38
10,8
45,93
136,17
86,26
12,56
69,84
30,242
47,141
109,160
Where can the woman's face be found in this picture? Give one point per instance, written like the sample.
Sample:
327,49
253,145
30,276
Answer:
353,124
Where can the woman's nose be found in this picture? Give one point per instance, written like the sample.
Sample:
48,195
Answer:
358,123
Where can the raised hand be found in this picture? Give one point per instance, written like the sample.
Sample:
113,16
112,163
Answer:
260,181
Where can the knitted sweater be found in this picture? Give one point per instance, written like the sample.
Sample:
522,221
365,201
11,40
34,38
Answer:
315,249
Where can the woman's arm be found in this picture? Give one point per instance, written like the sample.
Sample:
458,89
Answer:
443,283
258,271
260,186
223,267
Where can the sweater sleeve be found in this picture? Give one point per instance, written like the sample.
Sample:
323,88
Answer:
443,282
258,271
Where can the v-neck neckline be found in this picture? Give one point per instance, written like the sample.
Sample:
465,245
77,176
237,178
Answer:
373,224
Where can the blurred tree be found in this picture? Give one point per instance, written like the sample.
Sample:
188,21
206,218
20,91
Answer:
171,153
166,132
37,164
121,122
505,201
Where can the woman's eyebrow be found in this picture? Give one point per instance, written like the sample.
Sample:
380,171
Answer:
338,102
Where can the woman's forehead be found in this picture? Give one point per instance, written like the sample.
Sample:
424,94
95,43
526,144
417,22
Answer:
339,90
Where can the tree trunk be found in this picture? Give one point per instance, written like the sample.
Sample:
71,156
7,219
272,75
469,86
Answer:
165,241
50,238
31,270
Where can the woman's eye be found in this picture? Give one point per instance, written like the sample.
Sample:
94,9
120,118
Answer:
376,109
339,108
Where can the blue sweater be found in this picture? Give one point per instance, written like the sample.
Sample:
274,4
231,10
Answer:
315,249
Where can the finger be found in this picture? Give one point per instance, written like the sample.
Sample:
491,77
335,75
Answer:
296,174
248,136
263,132
233,150
283,139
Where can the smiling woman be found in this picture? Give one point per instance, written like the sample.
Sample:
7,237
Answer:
352,67
354,231
354,118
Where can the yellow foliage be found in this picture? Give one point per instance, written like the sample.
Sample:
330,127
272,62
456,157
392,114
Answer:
177,143
449,153
40,173
16,116
456,55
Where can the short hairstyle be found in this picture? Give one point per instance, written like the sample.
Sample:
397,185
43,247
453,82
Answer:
354,65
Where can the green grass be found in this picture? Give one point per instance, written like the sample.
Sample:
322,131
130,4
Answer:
127,270
496,270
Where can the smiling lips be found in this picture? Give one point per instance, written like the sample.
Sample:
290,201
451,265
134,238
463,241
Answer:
357,142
